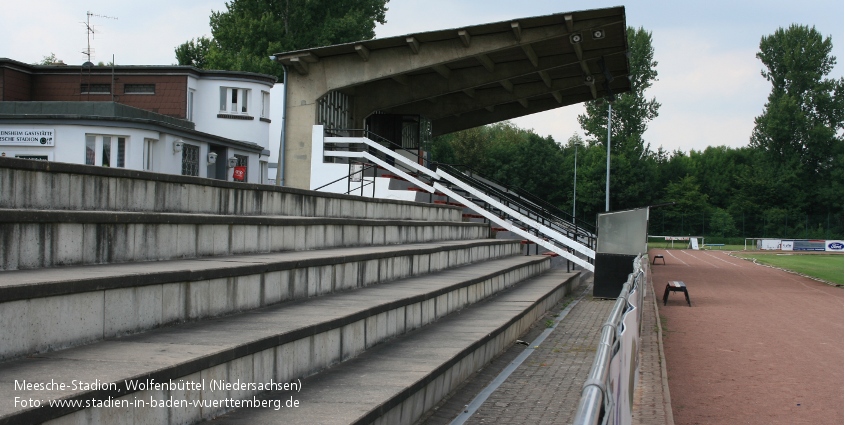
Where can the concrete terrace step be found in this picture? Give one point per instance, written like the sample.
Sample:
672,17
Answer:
397,383
282,343
55,308
29,184
38,238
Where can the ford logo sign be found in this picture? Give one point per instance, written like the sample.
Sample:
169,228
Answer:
836,245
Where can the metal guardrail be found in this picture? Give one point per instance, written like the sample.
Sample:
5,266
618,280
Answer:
529,197
500,206
599,404
527,204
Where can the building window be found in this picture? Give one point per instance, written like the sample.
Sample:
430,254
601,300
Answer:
149,148
95,88
243,161
262,169
90,149
190,160
139,88
112,150
190,114
121,152
334,110
265,104
234,100
106,157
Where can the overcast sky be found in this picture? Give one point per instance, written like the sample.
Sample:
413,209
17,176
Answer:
709,85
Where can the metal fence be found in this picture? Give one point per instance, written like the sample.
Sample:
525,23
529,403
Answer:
607,395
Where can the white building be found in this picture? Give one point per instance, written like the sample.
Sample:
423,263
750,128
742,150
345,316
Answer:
167,119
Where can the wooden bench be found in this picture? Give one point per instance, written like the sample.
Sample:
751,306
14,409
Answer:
675,286
654,260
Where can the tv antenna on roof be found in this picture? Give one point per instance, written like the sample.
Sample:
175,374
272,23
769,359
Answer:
89,29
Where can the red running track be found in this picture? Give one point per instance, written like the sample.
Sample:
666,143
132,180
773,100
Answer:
758,346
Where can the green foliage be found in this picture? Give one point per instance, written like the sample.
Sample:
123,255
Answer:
194,52
509,154
48,60
249,31
721,223
633,168
800,130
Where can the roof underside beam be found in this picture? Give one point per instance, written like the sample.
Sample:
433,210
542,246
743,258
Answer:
567,90
453,123
425,86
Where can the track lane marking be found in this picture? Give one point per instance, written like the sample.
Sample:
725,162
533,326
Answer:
673,256
721,259
701,259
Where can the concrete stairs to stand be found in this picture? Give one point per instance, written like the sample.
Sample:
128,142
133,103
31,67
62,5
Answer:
258,284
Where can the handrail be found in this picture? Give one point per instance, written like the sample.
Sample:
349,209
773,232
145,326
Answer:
345,177
573,244
508,192
372,136
442,181
593,406
527,206
360,187
525,194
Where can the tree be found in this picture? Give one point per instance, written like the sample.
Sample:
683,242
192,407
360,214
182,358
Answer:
690,205
632,163
249,31
194,53
721,223
48,60
800,129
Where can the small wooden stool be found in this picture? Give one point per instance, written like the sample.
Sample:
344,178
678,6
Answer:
654,261
676,286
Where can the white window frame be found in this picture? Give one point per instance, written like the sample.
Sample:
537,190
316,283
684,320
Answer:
265,104
234,100
113,141
149,151
190,112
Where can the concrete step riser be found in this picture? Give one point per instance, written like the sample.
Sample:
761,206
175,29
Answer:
406,410
37,245
286,362
43,324
77,187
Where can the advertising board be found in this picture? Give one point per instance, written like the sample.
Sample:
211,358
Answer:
809,245
769,244
835,246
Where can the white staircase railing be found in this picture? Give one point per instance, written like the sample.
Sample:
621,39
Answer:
443,182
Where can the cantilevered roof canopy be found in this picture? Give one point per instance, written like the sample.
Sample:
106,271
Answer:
458,78
466,77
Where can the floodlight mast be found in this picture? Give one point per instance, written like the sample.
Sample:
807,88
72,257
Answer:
575,182
607,185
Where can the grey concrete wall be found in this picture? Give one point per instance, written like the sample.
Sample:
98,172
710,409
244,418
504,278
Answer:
34,239
291,359
59,186
46,323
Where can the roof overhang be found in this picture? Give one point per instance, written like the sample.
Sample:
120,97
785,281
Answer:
467,77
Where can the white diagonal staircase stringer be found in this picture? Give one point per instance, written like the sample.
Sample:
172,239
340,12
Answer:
519,216
511,227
